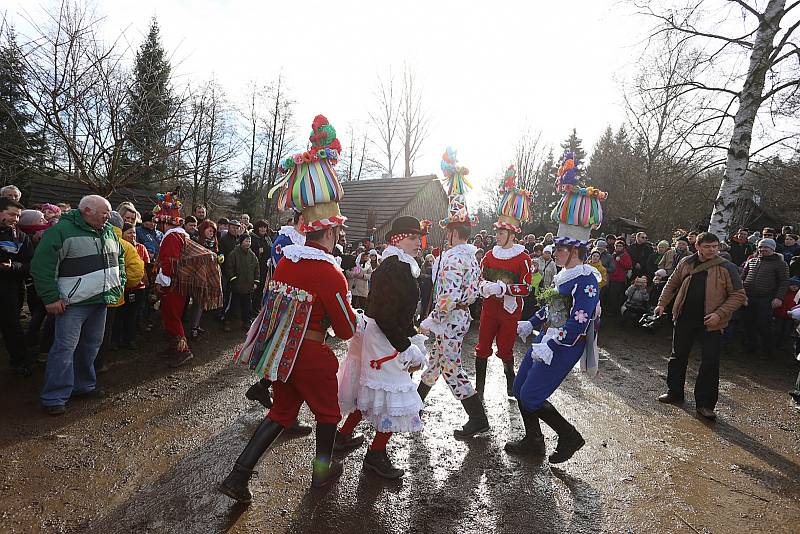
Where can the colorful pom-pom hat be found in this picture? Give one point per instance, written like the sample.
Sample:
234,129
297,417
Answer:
580,209
312,186
457,187
168,209
514,207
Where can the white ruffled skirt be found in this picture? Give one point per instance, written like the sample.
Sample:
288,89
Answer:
392,404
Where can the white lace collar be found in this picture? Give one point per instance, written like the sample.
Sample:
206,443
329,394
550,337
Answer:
507,253
462,249
392,250
574,272
292,233
296,253
175,230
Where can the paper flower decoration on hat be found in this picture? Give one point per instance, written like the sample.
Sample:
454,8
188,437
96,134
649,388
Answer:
514,206
457,187
312,186
580,209
168,208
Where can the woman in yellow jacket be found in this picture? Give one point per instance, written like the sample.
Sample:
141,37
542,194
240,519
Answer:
594,261
134,271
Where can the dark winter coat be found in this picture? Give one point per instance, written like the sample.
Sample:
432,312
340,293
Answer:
227,242
392,301
241,268
15,246
766,276
639,254
740,251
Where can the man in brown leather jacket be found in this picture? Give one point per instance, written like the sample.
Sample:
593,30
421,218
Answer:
707,290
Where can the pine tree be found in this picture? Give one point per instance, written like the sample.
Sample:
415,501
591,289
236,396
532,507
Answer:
22,144
573,143
545,196
150,104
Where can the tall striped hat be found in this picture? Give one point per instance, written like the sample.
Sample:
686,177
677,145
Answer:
457,187
514,207
580,209
310,181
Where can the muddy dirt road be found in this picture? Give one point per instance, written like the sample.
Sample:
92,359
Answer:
147,458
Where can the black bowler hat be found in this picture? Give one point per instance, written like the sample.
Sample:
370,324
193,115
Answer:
406,225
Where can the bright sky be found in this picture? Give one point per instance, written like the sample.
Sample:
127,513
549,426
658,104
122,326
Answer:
489,70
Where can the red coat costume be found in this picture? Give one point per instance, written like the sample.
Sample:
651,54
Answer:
313,377
512,268
172,303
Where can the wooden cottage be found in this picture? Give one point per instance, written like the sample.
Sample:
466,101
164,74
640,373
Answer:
378,202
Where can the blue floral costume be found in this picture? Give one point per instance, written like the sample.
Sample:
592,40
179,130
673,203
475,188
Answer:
564,324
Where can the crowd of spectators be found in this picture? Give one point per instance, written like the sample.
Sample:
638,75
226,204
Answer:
104,261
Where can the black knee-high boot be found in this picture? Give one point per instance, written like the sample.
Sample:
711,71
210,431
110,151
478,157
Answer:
533,442
325,470
480,374
422,390
235,484
508,369
569,439
477,422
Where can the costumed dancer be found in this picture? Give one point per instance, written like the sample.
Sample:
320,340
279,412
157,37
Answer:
307,294
567,322
186,270
506,277
375,380
456,287
290,234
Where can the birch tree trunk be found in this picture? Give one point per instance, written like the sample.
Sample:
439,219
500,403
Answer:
735,197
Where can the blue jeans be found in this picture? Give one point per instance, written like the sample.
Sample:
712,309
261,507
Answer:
70,362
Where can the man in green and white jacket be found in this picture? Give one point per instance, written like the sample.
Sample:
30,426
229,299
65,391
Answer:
78,269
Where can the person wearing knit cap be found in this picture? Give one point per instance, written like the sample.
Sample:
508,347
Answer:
506,276
374,380
51,213
308,294
765,277
456,277
566,324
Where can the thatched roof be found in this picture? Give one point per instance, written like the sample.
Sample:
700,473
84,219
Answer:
56,190
385,197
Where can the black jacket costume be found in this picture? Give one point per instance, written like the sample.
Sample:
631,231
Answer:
392,301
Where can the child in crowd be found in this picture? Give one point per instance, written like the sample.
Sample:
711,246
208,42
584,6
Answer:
637,300
596,262
242,269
